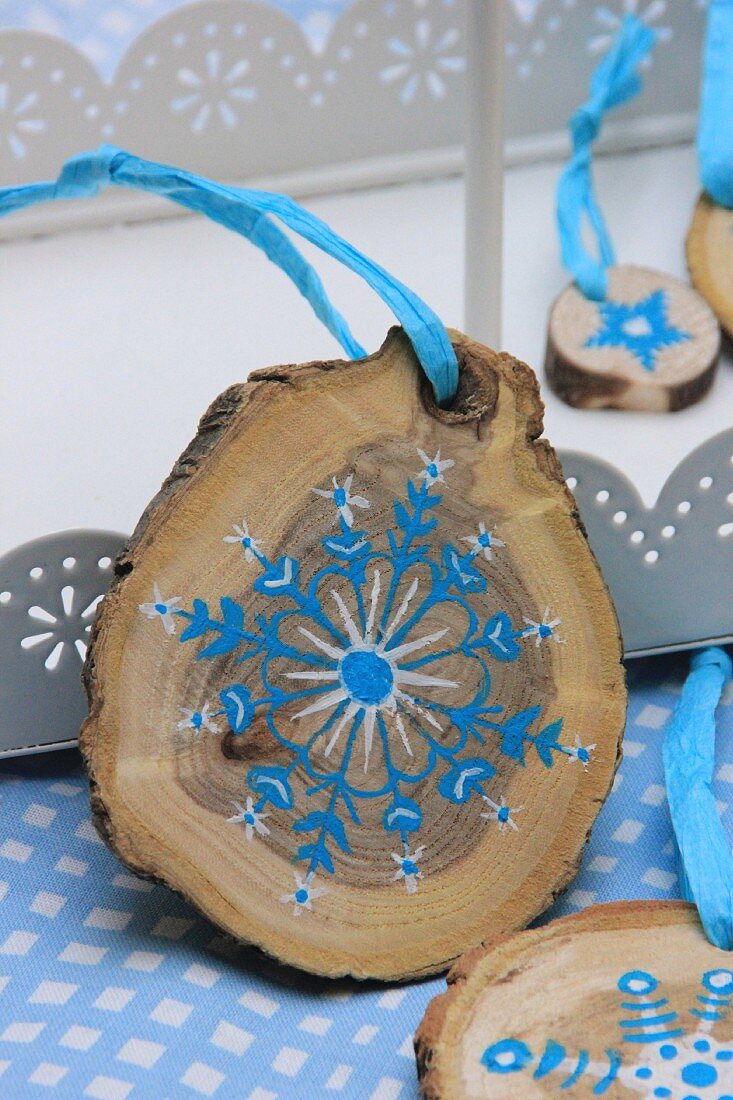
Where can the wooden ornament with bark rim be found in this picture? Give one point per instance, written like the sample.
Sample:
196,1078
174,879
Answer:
622,1000
709,249
652,345
327,700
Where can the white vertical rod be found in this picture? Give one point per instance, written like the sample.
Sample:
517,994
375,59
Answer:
484,179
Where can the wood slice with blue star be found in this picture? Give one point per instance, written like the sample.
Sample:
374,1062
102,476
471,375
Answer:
709,249
356,691
651,345
627,1001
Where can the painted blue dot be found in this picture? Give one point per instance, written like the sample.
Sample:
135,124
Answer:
367,677
506,1056
719,982
161,608
503,813
433,470
644,1072
699,1074
301,896
409,867
196,721
247,541
724,1056
662,1091
485,539
583,756
637,982
545,631
668,1052
249,818
339,497
702,1045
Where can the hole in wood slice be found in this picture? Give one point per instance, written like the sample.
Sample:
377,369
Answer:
652,344
358,670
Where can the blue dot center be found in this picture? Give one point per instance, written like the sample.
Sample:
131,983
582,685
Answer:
339,498
161,608
433,470
249,818
503,813
409,868
301,896
367,677
545,631
699,1074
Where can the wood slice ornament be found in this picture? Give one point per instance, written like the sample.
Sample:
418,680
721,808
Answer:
358,671
620,336
710,237
651,344
710,257
621,1001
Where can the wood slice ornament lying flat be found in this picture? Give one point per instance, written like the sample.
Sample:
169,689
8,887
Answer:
621,1001
651,345
359,672
710,257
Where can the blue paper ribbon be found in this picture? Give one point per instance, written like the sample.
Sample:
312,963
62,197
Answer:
248,213
705,860
715,129
614,82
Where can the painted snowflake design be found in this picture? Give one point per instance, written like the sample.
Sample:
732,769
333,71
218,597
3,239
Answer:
642,328
358,681
216,91
659,1057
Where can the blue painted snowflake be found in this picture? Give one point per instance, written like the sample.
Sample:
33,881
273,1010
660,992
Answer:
358,680
642,328
659,1057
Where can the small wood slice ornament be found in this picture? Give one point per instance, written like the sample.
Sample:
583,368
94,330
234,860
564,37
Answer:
652,344
356,691
710,257
620,1001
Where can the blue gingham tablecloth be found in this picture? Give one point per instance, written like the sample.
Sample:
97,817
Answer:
113,988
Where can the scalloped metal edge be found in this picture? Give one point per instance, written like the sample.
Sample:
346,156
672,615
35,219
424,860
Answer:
669,567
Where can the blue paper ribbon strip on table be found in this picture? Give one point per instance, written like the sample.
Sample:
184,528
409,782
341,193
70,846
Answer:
705,860
614,82
248,212
715,129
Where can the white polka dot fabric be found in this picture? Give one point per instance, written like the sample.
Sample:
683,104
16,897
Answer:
113,988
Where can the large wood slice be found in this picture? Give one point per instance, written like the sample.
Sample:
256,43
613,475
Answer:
710,257
620,1001
356,691
651,345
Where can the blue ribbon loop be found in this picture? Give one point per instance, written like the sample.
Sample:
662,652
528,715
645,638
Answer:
250,214
704,855
614,82
715,128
